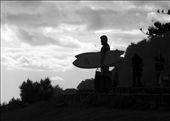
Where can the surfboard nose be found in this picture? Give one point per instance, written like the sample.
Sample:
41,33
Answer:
74,62
77,63
81,62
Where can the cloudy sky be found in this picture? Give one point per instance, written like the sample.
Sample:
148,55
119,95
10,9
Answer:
40,39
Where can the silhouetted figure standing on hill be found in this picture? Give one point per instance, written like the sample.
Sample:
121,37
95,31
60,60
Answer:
137,65
159,67
102,79
104,49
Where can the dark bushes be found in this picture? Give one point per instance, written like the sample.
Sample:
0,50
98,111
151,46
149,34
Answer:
35,91
87,84
12,104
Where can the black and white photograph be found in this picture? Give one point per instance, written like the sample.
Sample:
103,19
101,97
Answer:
85,60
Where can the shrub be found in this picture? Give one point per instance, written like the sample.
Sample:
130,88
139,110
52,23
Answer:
35,91
87,84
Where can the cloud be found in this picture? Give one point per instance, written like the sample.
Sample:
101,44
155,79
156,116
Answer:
41,58
65,37
151,5
109,19
8,33
114,15
96,15
42,49
47,35
35,38
109,5
154,16
57,80
38,59
20,7
39,13
120,39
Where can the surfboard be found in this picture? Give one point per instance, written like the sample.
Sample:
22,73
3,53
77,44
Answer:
93,59
113,52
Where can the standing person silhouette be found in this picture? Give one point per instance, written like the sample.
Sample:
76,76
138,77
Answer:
137,64
159,67
104,49
105,80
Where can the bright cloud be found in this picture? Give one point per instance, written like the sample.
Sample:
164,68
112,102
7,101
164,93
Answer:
57,80
33,58
47,35
42,58
153,16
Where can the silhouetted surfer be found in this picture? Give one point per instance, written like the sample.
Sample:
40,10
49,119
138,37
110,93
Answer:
137,65
103,81
104,49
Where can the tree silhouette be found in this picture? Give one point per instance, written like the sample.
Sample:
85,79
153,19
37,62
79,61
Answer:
57,90
46,88
27,91
87,84
168,12
157,42
158,28
35,91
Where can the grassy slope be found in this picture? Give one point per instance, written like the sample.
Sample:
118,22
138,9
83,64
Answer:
48,111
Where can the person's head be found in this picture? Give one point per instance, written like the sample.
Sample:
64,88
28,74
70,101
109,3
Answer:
103,39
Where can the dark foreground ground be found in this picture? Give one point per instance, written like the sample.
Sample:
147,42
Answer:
53,112
124,104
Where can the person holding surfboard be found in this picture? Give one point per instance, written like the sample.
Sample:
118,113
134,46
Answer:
105,80
102,60
104,49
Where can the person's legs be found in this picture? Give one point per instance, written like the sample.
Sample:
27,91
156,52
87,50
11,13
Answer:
105,79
